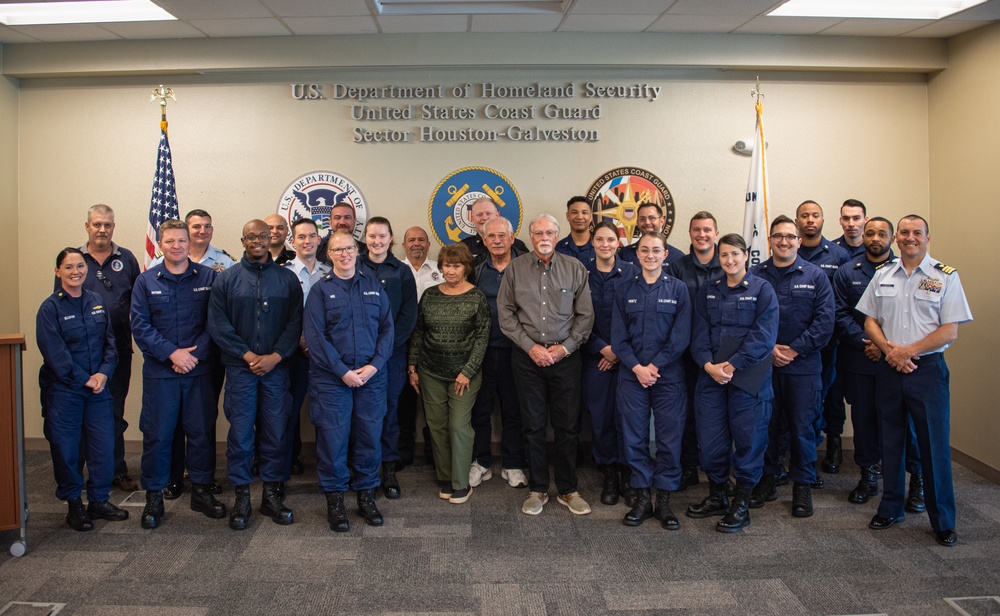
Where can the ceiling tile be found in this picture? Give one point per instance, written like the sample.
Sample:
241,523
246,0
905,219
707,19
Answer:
606,23
696,23
747,8
515,23
987,10
331,25
241,27
8,35
945,28
876,27
153,29
64,33
787,25
398,24
214,9
620,7
319,8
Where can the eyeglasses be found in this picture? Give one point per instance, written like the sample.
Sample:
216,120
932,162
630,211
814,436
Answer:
788,238
263,237
107,283
346,250
544,233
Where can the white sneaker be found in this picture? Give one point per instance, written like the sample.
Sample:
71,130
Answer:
478,474
515,477
574,502
534,503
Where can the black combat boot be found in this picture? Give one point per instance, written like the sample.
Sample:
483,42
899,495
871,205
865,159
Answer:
390,485
763,492
152,513
271,504
738,515
103,510
716,503
609,491
664,513
625,484
77,516
834,455
367,508
802,500
204,502
641,510
689,478
239,519
915,495
335,513
867,486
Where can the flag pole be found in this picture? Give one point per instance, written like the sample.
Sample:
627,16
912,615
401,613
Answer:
756,218
161,94
163,199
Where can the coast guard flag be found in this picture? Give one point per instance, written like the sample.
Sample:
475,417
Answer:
755,218
163,203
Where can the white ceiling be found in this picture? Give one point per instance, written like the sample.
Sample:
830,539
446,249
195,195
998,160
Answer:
232,18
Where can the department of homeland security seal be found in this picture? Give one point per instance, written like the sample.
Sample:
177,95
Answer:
314,194
619,193
451,204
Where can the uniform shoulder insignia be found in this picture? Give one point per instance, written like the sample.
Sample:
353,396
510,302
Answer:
228,255
882,264
947,269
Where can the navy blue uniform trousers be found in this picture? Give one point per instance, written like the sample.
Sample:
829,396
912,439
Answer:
798,404
247,397
348,415
666,402
184,406
732,429
67,417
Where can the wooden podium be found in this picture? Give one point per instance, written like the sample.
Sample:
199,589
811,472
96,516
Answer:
13,491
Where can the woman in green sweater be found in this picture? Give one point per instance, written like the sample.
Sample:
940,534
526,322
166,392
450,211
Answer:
446,353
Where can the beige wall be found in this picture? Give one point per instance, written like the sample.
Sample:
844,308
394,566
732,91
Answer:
964,131
9,311
239,139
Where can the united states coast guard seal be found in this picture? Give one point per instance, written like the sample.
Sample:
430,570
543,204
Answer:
619,193
449,213
314,194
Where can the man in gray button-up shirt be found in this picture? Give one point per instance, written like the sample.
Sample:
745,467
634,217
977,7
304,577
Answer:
544,307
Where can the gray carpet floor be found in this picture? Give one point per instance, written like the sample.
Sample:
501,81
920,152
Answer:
486,557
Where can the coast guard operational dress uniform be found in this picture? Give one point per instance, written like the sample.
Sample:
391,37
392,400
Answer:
908,308
348,325
76,340
732,422
651,324
858,375
256,307
600,387
170,312
628,254
828,256
584,254
805,323
401,288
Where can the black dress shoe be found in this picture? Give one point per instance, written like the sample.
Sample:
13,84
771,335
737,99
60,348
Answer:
881,523
297,467
152,513
947,538
802,502
106,511
390,485
173,490
77,516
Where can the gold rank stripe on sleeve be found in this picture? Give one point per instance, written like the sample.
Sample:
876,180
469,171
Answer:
947,269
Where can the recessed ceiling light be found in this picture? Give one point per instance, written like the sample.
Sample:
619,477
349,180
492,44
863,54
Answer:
95,11
873,9
468,7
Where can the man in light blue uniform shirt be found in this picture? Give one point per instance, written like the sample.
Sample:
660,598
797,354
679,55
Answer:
308,269
914,307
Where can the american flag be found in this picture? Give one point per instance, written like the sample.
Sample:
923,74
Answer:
163,203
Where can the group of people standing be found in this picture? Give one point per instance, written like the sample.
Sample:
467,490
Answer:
731,365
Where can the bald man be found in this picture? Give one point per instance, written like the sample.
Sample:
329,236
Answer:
277,226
